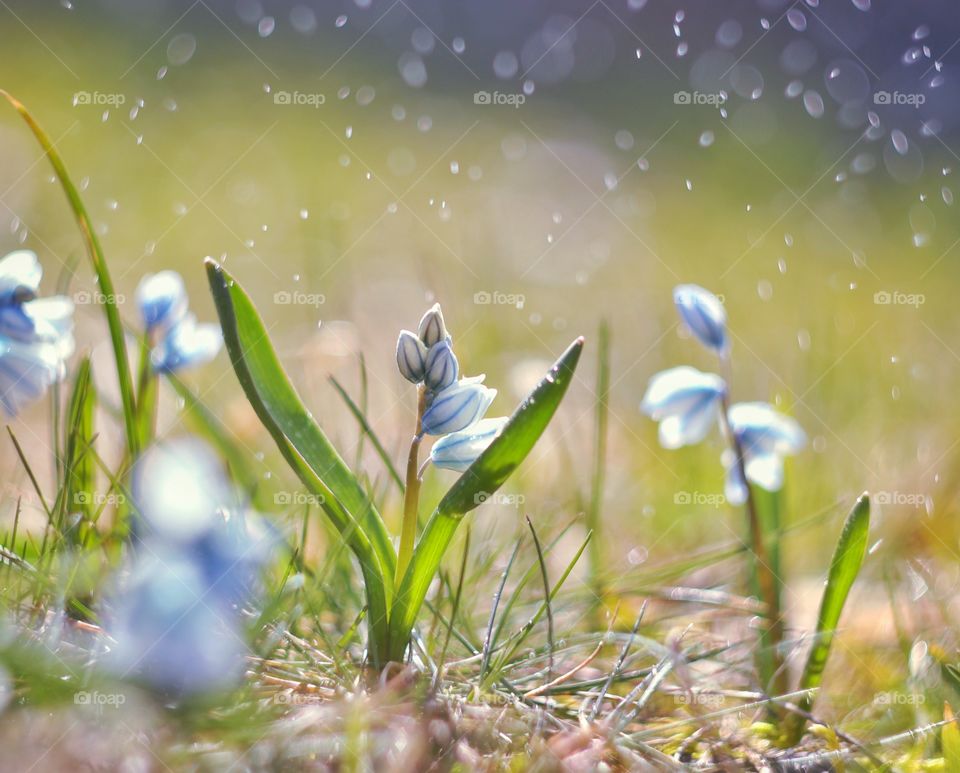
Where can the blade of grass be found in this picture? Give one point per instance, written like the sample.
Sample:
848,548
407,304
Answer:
546,597
79,465
599,467
104,281
847,560
361,418
488,639
456,603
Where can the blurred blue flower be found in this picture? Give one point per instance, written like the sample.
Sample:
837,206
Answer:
703,313
411,356
36,334
441,368
177,619
457,407
186,344
457,451
686,402
162,299
765,436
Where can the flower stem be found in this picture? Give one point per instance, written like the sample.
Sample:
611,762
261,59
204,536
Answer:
411,495
764,572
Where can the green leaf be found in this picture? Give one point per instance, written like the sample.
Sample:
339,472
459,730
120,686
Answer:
477,483
79,463
104,282
304,445
847,560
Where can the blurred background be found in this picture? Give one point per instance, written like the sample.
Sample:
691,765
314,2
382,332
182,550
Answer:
537,168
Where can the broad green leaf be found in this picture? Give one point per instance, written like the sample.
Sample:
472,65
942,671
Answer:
79,463
304,445
478,482
104,282
847,560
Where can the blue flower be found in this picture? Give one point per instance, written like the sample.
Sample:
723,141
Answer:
162,299
176,619
441,368
457,407
36,334
765,435
686,402
186,344
703,313
459,450
411,356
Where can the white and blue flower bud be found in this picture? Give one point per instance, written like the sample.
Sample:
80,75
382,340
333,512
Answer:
457,407
432,330
186,344
411,357
686,402
441,368
459,450
703,313
162,299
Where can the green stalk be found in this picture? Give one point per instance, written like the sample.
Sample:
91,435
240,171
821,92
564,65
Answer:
769,662
411,493
100,267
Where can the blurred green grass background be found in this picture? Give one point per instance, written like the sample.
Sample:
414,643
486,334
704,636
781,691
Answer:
362,214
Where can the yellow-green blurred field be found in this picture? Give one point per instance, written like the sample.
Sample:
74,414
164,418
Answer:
532,224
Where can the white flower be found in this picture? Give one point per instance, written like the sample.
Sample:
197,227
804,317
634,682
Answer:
686,402
162,299
186,344
703,313
457,407
765,436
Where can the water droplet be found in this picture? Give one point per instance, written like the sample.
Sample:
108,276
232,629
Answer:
813,104
181,48
505,64
921,32
706,139
341,21
454,167
947,195
422,40
623,139
797,19
304,214
459,45
900,143
266,26
365,95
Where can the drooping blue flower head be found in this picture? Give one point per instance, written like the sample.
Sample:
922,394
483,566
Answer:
459,450
162,299
441,367
457,407
186,344
686,402
765,436
36,334
703,313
